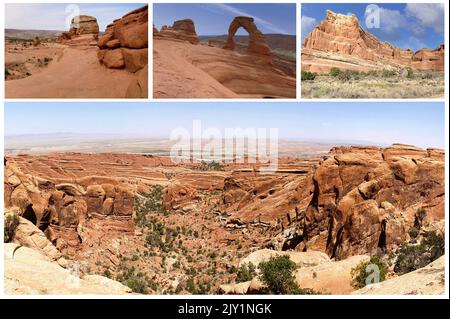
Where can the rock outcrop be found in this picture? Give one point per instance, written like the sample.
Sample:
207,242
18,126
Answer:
183,30
357,200
342,35
125,42
60,209
83,24
256,42
28,272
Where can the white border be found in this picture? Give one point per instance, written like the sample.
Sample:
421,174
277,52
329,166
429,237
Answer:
298,99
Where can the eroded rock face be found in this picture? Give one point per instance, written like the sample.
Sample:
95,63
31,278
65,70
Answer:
181,30
342,34
125,42
59,209
83,24
256,42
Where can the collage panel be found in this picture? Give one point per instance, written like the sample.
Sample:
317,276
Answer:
224,50
174,198
372,50
76,50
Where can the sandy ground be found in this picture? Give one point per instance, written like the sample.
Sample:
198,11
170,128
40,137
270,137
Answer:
74,72
184,70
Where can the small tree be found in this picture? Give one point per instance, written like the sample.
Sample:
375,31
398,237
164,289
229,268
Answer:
366,272
10,226
335,71
277,274
308,76
246,272
410,73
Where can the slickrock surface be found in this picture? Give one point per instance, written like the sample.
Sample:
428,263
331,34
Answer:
340,41
185,68
31,273
429,280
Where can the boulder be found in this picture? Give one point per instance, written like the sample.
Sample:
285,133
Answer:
83,24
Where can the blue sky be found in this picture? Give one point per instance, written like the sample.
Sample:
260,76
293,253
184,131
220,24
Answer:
420,124
57,16
215,18
412,25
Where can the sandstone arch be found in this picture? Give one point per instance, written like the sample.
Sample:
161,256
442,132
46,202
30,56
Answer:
256,41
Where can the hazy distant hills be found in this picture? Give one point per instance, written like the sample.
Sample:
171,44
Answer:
275,41
30,34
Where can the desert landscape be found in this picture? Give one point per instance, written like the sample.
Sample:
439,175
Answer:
257,65
340,59
82,62
96,215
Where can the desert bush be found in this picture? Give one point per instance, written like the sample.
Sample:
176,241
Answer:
277,275
427,76
410,73
10,226
137,281
413,232
345,76
148,202
335,72
363,273
411,257
388,73
210,166
308,76
246,272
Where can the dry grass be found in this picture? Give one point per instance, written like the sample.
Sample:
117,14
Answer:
420,85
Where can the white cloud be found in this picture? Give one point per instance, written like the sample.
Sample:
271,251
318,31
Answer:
429,14
391,21
259,21
308,24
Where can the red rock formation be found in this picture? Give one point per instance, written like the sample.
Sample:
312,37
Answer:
59,209
256,42
342,34
183,30
83,25
125,42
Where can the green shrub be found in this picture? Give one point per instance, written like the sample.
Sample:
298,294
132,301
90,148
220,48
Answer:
410,73
210,166
308,76
413,232
148,202
10,226
411,257
360,274
246,272
335,71
277,275
137,281
388,73
345,76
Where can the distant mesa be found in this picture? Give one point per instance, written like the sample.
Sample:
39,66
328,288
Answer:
343,35
256,42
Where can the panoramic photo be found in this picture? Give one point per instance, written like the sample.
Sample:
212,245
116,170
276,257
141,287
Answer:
121,198
372,50
62,50
213,50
